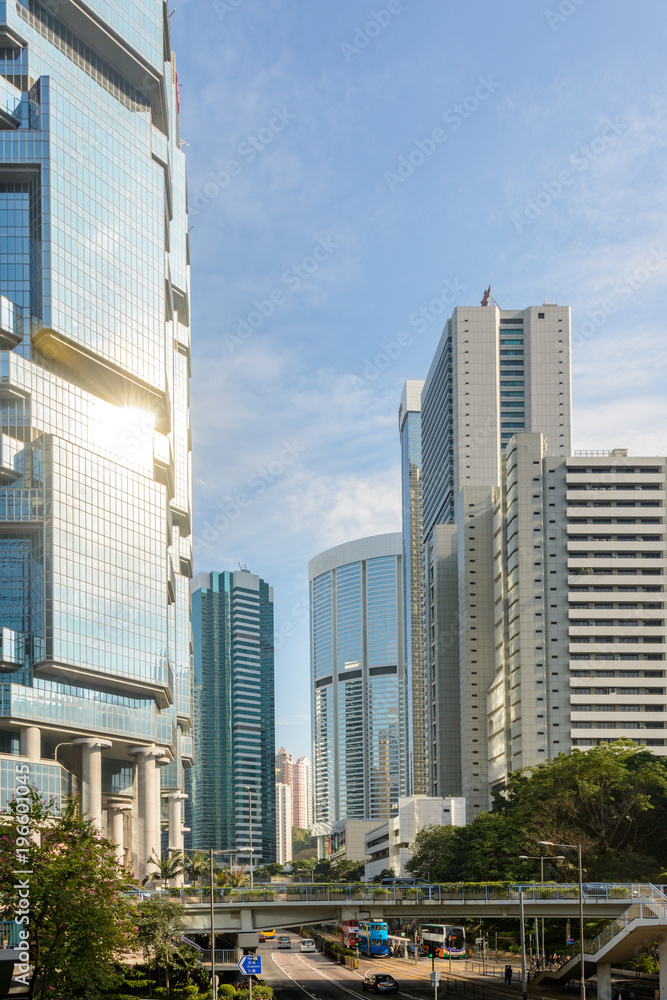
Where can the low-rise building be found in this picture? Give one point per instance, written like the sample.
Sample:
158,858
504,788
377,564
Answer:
344,840
390,845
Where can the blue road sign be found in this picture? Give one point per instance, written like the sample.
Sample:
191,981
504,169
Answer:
250,965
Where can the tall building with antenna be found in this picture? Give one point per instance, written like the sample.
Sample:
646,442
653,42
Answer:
495,374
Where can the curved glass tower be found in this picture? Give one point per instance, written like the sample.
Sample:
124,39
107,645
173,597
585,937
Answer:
95,480
357,677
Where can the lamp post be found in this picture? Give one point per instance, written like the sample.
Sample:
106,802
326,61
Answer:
577,848
214,985
540,858
248,790
524,984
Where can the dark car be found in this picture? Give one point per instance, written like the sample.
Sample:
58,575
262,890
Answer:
380,982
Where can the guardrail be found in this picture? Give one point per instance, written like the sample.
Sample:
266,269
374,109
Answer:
440,893
638,911
9,934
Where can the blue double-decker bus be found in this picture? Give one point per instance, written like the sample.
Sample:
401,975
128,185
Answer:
373,938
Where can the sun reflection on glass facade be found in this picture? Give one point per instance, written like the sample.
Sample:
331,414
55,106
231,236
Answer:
359,716
95,469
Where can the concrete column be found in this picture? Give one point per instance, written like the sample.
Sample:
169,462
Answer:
146,800
662,959
604,980
160,762
115,811
175,800
91,775
30,742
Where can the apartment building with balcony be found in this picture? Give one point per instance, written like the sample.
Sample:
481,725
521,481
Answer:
580,555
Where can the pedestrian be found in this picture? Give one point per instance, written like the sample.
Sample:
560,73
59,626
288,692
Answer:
508,974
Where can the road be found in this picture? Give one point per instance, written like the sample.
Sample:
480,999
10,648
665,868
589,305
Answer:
295,976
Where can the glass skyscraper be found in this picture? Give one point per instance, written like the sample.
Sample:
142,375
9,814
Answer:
95,487
357,677
232,632
409,427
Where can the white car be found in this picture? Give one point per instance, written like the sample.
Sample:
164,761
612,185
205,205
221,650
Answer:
307,944
284,941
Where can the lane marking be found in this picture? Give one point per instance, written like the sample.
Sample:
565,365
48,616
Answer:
296,983
336,982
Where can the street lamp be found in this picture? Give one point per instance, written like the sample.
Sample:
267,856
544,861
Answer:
214,984
577,848
540,858
248,790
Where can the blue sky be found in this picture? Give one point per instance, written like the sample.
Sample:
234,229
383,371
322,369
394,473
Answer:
357,169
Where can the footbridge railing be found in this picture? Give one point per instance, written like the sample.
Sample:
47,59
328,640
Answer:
452,892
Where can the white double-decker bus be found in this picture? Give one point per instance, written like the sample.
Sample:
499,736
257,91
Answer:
446,940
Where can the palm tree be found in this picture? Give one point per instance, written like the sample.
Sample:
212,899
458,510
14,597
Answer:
168,866
232,877
197,866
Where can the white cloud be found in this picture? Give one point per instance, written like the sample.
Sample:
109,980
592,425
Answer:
636,423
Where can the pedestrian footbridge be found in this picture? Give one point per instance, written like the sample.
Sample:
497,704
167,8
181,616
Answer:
637,913
248,911
642,923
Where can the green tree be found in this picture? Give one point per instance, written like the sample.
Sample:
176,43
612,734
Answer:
75,919
612,799
303,845
346,871
234,876
266,871
385,873
168,866
157,920
197,866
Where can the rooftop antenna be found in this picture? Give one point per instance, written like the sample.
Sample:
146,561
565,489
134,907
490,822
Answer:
244,568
